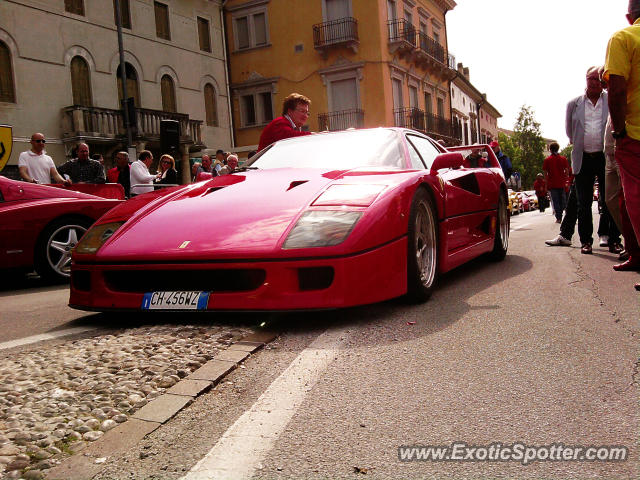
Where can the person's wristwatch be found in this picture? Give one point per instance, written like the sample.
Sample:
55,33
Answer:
621,134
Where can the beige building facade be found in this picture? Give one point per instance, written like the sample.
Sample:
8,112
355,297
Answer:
59,75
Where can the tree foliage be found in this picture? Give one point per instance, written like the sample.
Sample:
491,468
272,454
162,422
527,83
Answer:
526,145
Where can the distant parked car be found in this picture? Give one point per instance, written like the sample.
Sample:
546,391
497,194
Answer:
533,199
514,202
41,224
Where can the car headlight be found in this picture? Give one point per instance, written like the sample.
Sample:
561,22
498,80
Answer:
96,237
360,195
322,228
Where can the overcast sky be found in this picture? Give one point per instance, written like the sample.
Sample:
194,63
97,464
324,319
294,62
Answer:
533,52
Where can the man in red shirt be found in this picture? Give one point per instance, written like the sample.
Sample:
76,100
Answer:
556,172
295,112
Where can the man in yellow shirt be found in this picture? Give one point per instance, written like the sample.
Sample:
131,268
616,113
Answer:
622,71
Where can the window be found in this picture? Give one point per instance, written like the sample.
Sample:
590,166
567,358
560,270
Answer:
162,20
428,103
427,150
210,105
132,84
440,107
256,108
248,110
74,6
204,37
7,90
413,96
168,92
80,82
250,29
125,14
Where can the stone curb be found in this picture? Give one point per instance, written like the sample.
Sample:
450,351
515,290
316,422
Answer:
83,466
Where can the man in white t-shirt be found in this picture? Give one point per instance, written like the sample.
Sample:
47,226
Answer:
139,174
35,166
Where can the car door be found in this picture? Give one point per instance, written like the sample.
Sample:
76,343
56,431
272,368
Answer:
467,193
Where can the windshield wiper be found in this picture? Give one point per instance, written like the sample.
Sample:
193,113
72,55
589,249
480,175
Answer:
244,169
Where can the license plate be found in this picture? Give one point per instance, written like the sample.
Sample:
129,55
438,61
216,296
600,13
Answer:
180,300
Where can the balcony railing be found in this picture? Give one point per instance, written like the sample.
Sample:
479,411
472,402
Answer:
401,31
341,120
336,32
426,122
108,124
429,46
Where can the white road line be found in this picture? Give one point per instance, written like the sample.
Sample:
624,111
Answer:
44,336
246,443
520,227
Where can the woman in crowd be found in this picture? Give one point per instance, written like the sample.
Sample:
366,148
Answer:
168,174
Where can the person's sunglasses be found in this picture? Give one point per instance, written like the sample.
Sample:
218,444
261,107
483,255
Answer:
39,141
166,161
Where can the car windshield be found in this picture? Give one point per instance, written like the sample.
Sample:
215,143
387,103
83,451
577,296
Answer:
337,151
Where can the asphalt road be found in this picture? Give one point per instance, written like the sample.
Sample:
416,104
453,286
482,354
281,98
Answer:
540,349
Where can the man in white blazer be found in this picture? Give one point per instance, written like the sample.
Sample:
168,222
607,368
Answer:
585,125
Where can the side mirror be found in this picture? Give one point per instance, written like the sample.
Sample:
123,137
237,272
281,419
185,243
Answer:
447,160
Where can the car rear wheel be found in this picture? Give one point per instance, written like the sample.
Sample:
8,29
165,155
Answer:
501,239
422,251
53,249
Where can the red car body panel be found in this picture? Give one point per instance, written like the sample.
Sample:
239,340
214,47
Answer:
26,209
238,223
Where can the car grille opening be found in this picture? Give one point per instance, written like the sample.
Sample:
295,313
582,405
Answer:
223,280
315,278
81,280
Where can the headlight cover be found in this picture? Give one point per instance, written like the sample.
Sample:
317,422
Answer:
96,237
360,195
322,228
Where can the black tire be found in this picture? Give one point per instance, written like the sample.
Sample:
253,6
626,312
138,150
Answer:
422,249
52,256
501,239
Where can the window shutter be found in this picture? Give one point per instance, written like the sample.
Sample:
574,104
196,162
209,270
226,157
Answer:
80,82
204,35
168,93
7,91
162,20
210,106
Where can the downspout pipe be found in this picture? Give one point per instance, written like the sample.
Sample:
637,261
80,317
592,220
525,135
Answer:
227,69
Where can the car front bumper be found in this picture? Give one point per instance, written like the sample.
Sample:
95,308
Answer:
298,284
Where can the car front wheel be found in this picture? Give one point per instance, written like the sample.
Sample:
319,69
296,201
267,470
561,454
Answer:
53,249
422,251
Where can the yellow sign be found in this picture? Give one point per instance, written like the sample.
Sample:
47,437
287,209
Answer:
6,141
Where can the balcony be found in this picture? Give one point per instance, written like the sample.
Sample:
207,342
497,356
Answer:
429,50
402,36
429,123
342,32
106,125
341,120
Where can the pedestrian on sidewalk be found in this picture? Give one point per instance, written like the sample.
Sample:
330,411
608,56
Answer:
622,72
556,171
540,186
586,119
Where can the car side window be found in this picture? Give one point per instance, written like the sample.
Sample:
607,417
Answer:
416,161
426,149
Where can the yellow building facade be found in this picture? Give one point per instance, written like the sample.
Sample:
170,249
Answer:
363,63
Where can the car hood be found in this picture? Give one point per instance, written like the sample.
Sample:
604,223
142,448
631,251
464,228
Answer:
244,215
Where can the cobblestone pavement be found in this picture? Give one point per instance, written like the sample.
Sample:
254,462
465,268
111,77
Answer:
55,400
